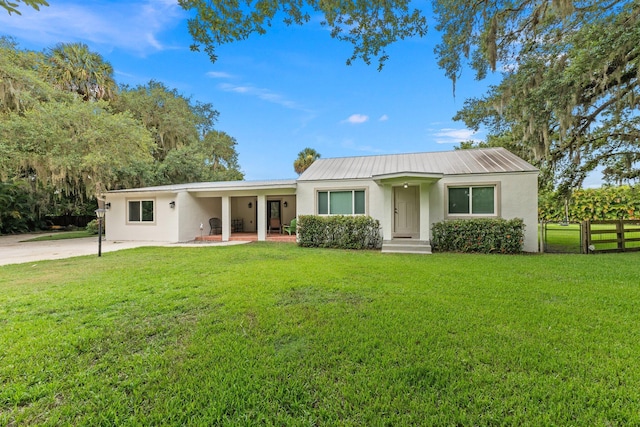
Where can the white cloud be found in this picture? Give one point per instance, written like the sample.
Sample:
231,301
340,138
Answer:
219,75
351,145
262,93
232,88
356,119
133,26
383,118
453,136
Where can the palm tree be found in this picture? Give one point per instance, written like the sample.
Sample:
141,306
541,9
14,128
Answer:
304,160
74,68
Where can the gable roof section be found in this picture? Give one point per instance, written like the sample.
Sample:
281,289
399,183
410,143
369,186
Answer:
458,162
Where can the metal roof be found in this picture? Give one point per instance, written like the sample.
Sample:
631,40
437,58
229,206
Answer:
458,162
214,186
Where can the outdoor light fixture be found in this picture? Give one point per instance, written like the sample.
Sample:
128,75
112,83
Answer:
172,204
285,203
406,185
250,205
100,215
107,206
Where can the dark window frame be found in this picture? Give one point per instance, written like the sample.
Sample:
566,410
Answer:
358,198
141,211
470,212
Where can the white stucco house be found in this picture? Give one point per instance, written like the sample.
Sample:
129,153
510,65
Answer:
407,193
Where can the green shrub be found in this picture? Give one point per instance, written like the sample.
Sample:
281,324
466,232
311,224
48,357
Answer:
339,232
485,235
18,208
92,227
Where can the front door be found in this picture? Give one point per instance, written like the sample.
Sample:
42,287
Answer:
406,212
273,213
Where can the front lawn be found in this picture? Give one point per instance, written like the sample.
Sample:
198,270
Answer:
274,334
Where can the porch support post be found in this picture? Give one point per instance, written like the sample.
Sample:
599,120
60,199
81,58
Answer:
425,223
262,217
226,218
389,214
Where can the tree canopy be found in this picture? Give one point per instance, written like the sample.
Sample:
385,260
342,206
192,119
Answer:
568,101
12,6
370,26
570,98
305,158
72,67
68,133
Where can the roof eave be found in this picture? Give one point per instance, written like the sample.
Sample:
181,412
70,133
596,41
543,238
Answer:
224,186
414,177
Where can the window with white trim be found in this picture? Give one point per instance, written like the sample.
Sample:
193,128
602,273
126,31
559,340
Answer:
472,200
341,202
141,210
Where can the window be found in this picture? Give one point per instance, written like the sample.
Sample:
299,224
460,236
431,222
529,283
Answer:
470,200
141,211
348,202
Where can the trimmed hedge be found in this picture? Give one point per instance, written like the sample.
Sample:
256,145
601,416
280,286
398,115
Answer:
339,232
484,235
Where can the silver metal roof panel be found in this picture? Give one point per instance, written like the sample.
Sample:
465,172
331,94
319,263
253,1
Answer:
458,162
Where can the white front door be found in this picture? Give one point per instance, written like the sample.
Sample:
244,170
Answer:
406,212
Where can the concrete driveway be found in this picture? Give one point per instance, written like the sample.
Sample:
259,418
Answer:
14,249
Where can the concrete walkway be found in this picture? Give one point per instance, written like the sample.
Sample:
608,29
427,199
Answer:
14,249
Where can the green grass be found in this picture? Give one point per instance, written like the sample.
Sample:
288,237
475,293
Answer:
566,238
62,235
273,334
563,238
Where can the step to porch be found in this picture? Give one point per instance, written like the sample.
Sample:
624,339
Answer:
406,246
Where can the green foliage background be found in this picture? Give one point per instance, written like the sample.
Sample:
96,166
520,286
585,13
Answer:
604,203
68,133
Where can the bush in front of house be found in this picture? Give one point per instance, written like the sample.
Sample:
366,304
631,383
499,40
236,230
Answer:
92,227
339,232
483,235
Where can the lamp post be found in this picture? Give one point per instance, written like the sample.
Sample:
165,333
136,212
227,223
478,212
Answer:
100,215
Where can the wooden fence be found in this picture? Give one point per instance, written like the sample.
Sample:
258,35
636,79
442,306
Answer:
611,236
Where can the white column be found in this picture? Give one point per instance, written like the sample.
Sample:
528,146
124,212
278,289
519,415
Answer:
262,217
388,216
425,224
226,218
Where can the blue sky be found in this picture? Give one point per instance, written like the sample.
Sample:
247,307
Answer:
277,93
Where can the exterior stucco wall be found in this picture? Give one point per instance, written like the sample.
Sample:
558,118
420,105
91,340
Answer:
194,211
518,198
288,212
374,195
164,228
240,210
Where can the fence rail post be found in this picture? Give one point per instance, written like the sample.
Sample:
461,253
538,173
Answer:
620,235
585,230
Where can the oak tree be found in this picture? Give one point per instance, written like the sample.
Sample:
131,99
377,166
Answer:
370,26
12,6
